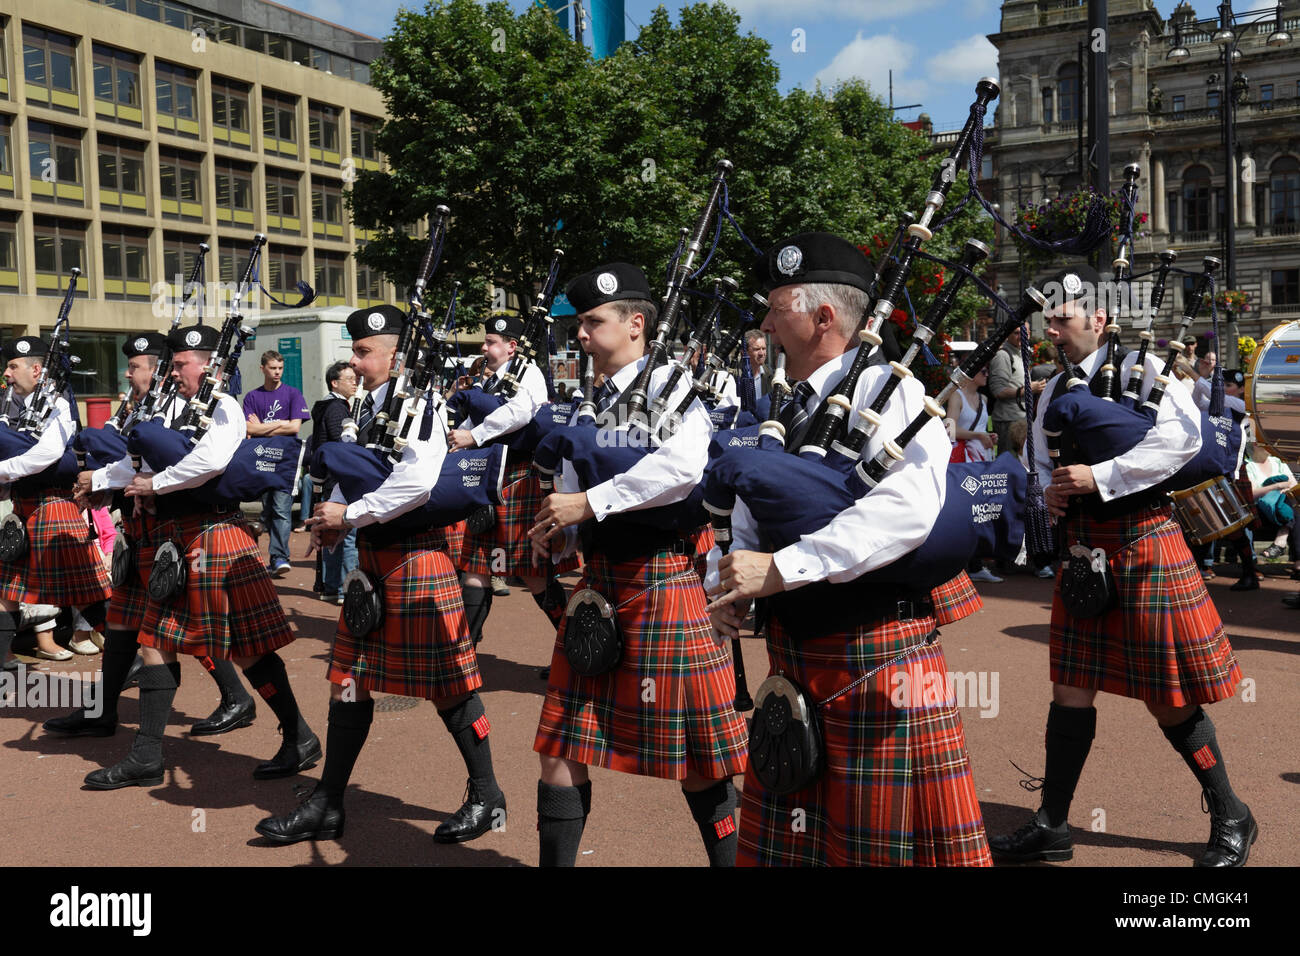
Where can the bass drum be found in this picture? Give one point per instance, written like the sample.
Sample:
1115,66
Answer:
1273,391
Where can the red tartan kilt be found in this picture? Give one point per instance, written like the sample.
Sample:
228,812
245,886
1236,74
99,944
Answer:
897,787
229,607
422,648
455,535
1164,643
507,540
955,599
126,609
63,565
607,721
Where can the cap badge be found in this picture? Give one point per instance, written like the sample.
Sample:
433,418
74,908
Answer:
499,325
788,260
140,344
607,283
193,338
22,347
375,320
1072,283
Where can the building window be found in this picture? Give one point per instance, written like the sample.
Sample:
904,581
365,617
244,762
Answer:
279,124
117,85
58,245
283,271
179,254
50,69
180,189
326,209
330,270
1067,86
1047,106
54,153
1286,287
365,150
234,192
323,133
1266,95
4,70
282,212
126,263
178,99
1284,185
230,122
6,157
1196,199
121,174
9,251
370,284
1212,100
1180,103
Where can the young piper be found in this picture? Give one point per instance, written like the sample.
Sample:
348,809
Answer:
666,710
422,646
896,787
504,549
228,607
62,565
1164,643
126,609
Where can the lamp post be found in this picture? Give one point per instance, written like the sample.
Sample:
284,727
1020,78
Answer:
1234,87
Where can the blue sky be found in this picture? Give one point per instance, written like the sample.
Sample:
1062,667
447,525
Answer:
936,48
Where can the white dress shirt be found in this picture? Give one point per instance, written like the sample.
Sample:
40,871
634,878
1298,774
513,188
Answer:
48,449
517,412
665,475
1172,443
891,521
118,474
412,478
208,458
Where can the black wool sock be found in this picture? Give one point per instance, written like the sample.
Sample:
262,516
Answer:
468,725
1070,731
120,648
226,677
552,601
561,816
268,677
1196,743
478,604
714,811
158,683
8,628
349,725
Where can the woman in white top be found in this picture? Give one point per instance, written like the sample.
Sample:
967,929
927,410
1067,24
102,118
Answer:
972,441
1270,479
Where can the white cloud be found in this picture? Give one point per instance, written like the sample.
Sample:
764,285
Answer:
870,58
857,11
965,61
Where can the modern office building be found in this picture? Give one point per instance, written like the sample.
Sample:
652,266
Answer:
133,130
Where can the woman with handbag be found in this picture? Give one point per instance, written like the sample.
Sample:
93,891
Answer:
972,441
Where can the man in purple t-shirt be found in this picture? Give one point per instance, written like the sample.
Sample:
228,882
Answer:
276,409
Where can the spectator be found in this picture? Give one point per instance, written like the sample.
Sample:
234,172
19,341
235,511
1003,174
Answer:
327,418
756,353
275,409
1048,362
1270,480
971,441
1006,382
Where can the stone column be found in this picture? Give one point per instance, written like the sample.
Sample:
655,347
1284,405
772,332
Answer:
1035,101
1159,202
1245,194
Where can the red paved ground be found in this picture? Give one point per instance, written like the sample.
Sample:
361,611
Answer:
410,777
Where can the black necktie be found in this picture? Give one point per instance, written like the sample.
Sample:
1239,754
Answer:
794,416
365,417
605,395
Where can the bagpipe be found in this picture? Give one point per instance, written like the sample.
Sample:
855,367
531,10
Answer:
22,436
536,338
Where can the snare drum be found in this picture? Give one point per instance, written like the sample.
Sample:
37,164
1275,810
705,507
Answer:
1211,510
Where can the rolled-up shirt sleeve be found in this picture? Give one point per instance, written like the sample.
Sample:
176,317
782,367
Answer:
409,484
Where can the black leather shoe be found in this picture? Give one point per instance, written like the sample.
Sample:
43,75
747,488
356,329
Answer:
1033,843
128,773
312,820
1230,839
474,818
1292,601
1247,582
290,759
77,724
229,715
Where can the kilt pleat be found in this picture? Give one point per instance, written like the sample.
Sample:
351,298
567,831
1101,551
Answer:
229,607
126,609
63,565
455,535
504,548
897,787
955,599
1164,643
668,705
422,647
